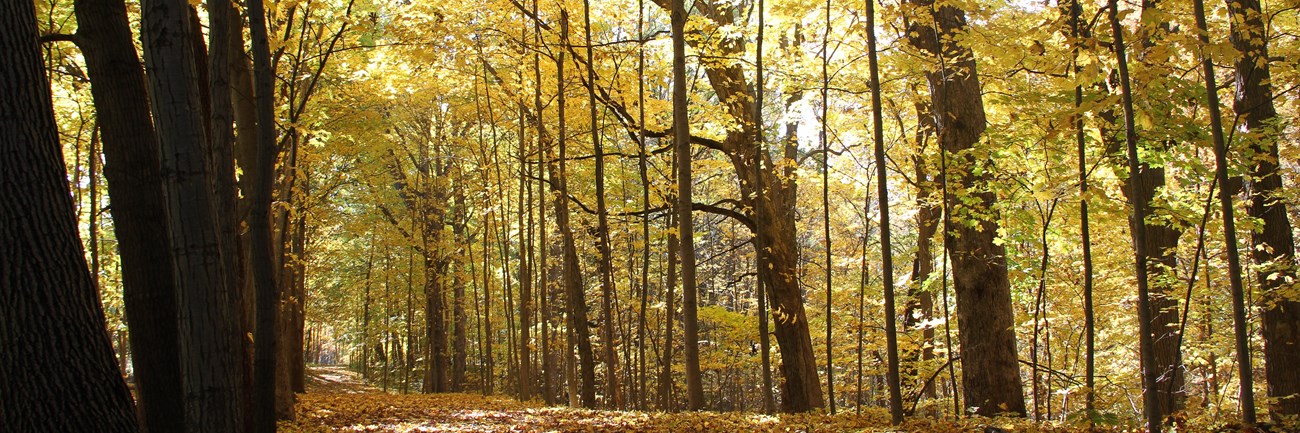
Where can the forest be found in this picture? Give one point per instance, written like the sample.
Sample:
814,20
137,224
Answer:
667,215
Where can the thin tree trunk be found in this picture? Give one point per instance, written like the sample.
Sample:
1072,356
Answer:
602,228
1245,380
826,208
1139,206
886,251
685,224
1089,319
642,169
761,278
670,317
576,298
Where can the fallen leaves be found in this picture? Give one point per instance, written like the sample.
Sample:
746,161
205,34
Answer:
337,403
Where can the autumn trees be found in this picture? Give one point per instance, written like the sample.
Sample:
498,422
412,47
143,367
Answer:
497,197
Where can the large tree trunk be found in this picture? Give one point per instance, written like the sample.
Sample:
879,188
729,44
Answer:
1274,251
52,329
208,329
990,369
139,211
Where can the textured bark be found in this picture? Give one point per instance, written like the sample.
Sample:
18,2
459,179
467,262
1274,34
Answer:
245,151
133,173
990,369
52,325
1274,251
208,337
298,309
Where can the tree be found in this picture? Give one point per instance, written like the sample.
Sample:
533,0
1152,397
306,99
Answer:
685,225
771,219
1274,254
1245,373
1151,406
133,172
990,369
602,226
266,335
886,246
208,337
51,322
573,287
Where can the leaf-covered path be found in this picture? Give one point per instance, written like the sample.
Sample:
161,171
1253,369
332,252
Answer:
337,401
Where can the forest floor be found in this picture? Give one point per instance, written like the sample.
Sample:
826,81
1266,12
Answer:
337,401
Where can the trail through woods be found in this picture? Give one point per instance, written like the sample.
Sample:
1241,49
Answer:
337,401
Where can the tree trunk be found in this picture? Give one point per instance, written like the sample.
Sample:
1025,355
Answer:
772,222
134,178
990,373
1274,251
1139,204
882,198
208,337
1245,373
614,400
685,224
53,325
761,280
576,298
459,338
266,333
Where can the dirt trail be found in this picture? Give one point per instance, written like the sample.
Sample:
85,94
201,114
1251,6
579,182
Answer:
335,380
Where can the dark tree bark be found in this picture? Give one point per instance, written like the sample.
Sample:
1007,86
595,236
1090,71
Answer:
761,283
642,170
882,197
685,225
208,326
573,287
459,356
1245,374
1160,239
920,307
133,172
51,325
615,400
990,373
1077,32
1274,250
1139,208
261,260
